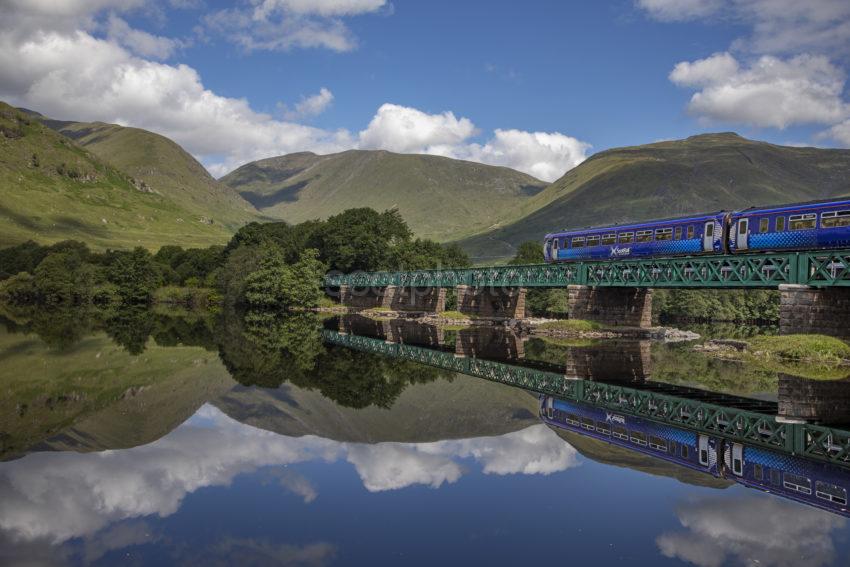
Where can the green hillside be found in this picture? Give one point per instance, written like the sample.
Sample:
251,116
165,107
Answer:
440,198
53,189
702,173
165,167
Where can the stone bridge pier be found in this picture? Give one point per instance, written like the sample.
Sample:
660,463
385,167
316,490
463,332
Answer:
805,309
417,299
492,343
626,306
610,361
491,302
815,401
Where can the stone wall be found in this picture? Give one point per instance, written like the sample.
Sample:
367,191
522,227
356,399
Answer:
610,361
821,401
626,306
804,309
431,300
492,343
492,302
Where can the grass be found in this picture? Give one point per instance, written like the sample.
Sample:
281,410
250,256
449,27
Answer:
576,325
454,315
440,198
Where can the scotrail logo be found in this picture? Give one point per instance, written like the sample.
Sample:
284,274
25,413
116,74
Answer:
614,418
617,251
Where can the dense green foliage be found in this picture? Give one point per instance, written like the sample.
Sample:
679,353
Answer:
716,305
539,302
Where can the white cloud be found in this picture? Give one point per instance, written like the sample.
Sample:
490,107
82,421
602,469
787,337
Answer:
312,105
771,92
762,531
404,129
55,497
679,10
140,42
318,7
777,26
544,155
839,132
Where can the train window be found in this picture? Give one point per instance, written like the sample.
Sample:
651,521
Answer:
797,483
780,224
678,235
572,419
830,492
664,234
658,443
674,447
774,477
764,225
638,437
620,433
643,236
834,219
588,423
690,231
578,242
593,240
625,237
603,428
802,222
758,472
686,453
609,238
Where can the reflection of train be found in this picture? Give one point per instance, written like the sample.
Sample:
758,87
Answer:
803,226
811,482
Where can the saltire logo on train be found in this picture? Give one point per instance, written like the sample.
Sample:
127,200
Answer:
618,251
614,418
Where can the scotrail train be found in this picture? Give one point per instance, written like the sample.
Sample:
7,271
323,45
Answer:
802,226
822,485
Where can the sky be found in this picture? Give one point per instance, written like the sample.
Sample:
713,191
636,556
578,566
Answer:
537,86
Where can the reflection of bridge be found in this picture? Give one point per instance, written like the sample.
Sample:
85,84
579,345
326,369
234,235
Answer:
815,286
730,417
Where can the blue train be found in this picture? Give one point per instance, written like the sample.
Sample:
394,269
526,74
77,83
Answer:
801,226
811,482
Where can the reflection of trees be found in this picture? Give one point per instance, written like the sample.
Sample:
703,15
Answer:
267,349
186,328
130,327
60,327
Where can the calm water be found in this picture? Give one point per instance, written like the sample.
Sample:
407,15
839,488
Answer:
152,439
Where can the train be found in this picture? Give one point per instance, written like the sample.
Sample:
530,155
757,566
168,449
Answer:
818,484
815,225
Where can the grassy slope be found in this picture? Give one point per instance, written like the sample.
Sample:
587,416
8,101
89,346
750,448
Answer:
166,168
422,413
91,201
96,395
440,198
702,173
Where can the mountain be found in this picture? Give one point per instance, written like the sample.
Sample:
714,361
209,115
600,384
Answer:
440,198
52,188
702,173
164,166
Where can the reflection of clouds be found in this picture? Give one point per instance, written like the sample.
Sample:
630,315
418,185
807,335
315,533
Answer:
758,531
59,496
388,466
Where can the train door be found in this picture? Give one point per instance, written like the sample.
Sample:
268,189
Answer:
702,448
708,237
741,240
737,459
554,252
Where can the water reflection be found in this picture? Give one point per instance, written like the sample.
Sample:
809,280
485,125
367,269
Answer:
243,438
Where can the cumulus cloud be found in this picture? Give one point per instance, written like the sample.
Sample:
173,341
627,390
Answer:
140,42
320,7
404,129
55,497
679,10
763,531
771,92
312,105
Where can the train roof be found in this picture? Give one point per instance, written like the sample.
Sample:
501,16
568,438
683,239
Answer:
803,204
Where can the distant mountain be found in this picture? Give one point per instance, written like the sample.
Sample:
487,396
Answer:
440,198
701,173
164,166
52,188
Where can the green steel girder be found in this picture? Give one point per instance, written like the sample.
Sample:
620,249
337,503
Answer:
816,268
812,441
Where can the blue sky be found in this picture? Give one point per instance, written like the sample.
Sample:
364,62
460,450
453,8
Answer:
537,86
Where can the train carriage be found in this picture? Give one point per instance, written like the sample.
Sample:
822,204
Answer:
817,225
811,482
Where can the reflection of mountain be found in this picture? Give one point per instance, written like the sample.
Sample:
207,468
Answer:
607,453
462,407
95,395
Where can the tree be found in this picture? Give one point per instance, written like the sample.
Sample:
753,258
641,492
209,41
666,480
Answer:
276,284
529,252
359,239
134,273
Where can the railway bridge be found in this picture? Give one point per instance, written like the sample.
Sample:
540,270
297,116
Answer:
814,286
